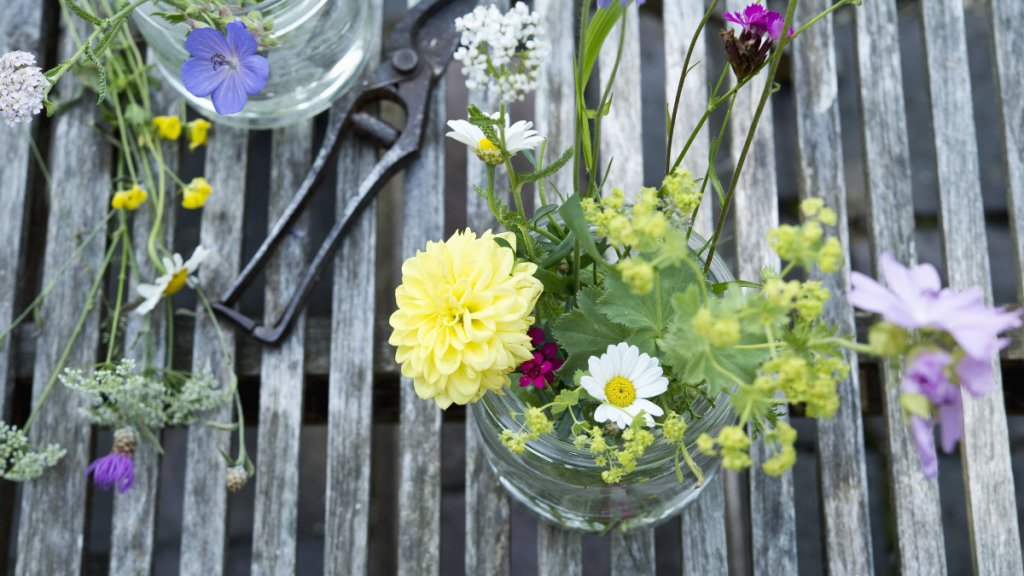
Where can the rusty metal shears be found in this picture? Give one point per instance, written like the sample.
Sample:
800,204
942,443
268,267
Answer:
415,57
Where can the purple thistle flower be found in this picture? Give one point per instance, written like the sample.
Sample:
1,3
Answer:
915,299
927,376
226,68
608,3
114,468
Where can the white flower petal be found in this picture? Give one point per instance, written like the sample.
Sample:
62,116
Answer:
593,387
605,413
649,408
198,257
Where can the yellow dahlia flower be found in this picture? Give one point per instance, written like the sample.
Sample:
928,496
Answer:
463,310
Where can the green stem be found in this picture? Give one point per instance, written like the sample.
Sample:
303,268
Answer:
855,346
39,158
67,64
89,303
123,230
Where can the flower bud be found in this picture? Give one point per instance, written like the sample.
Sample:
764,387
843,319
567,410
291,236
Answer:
236,477
887,339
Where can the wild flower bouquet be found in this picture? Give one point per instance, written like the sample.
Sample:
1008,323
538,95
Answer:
602,315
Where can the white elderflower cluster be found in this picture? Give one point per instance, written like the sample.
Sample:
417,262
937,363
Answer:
21,87
19,460
198,394
503,50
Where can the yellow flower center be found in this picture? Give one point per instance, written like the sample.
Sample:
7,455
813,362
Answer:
487,146
620,392
176,283
449,309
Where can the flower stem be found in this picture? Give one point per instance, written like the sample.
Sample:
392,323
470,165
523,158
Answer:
123,231
682,79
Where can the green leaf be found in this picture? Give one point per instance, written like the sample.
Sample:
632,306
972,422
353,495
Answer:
530,158
716,182
548,170
544,211
572,213
136,115
586,332
750,403
560,251
916,404
553,283
502,242
653,310
721,287
600,26
85,15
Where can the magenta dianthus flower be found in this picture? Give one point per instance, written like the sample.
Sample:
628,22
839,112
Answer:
927,376
750,50
225,68
540,369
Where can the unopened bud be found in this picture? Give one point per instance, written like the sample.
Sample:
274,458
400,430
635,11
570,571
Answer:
887,339
125,441
236,478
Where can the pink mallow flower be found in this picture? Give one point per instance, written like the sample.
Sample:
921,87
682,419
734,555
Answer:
540,369
927,376
916,299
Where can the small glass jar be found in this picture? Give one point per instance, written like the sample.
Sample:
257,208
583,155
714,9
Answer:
323,46
563,485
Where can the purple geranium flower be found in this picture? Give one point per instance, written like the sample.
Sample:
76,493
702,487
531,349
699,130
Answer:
608,3
114,468
915,298
226,68
927,376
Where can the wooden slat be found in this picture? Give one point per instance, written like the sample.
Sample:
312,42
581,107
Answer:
681,18
134,520
487,506
19,30
773,522
842,471
985,450
622,140
704,545
51,535
1007,20
915,501
282,377
419,490
559,551
203,530
350,401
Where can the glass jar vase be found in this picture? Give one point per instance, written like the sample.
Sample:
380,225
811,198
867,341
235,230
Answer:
322,48
563,485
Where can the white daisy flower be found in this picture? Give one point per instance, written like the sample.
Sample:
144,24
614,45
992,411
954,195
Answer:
624,379
178,274
518,137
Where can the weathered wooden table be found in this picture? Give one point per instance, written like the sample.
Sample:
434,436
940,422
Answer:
52,528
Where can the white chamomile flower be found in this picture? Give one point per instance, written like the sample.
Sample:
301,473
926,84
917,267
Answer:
178,274
518,137
624,379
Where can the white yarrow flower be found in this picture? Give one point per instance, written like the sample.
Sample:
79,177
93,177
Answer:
491,41
179,273
21,87
624,379
518,137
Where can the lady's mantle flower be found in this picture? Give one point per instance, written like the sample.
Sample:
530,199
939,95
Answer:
540,369
463,310
490,42
623,378
21,87
748,51
130,199
926,379
226,68
197,133
118,467
916,299
518,137
196,193
178,274
168,127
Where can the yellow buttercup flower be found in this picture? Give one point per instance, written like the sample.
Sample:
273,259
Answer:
197,133
196,193
168,127
463,310
130,199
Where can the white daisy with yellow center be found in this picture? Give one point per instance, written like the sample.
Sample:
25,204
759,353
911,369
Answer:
518,137
179,273
623,379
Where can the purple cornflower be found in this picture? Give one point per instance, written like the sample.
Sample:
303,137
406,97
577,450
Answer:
540,370
915,298
927,376
608,3
226,68
118,467
749,51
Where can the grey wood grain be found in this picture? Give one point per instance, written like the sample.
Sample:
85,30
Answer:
559,551
134,520
51,535
842,471
773,522
487,507
419,489
554,102
704,545
633,553
204,514
681,19
621,133
350,380
282,376
915,501
1008,16
985,448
